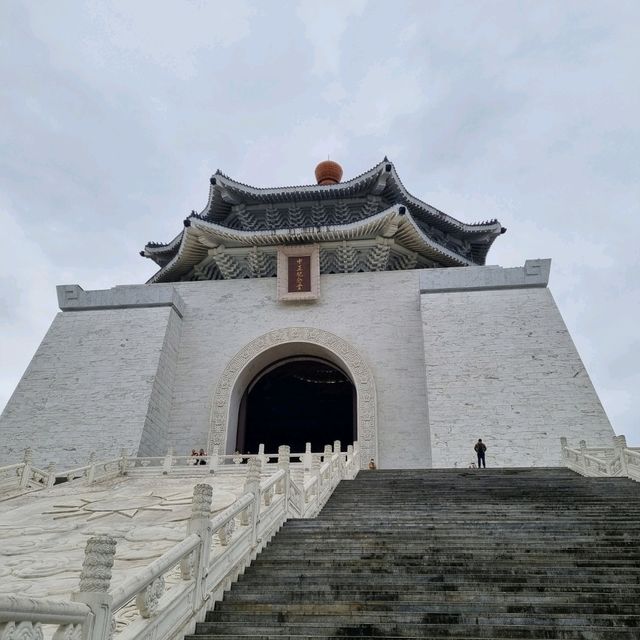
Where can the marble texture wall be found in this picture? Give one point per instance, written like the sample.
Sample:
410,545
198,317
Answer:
93,385
136,367
377,313
501,366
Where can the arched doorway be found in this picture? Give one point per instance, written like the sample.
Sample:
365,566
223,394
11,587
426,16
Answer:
277,345
297,400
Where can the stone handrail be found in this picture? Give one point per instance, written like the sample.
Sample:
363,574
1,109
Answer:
23,618
19,478
616,461
212,555
229,542
137,583
23,476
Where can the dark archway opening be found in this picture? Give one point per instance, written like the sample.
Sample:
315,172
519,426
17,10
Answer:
295,401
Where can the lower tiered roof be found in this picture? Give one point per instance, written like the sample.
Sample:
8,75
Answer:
370,223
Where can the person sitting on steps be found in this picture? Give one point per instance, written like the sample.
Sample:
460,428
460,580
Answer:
372,464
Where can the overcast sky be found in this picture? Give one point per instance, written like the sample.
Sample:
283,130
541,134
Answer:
114,115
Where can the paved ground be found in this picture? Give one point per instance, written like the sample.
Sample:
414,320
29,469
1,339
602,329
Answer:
43,533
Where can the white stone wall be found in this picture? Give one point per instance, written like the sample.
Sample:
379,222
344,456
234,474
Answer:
140,370
88,388
153,441
377,313
501,366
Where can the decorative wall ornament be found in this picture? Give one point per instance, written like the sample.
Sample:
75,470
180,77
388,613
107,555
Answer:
356,367
296,217
188,566
147,600
21,631
347,258
319,214
226,531
68,632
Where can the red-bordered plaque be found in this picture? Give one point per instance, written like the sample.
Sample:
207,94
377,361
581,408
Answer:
298,272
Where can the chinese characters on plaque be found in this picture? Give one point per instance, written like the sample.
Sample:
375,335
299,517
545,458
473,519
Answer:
298,273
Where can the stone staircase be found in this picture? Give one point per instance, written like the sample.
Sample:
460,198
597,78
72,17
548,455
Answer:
508,553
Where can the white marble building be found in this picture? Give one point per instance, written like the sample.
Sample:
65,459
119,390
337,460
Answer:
342,310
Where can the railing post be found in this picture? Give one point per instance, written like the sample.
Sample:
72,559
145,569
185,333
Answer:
26,469
168,461
315,472
620,444
261,456
252,485
564,454
307,457
124,462
337,446
327,458
583,453
51,475
214,459
196,565
284,457
91,471
356,457
94,586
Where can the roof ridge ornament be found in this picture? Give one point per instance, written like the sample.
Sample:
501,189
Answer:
328,172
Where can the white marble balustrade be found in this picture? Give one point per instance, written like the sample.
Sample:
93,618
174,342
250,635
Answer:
619,460
164,599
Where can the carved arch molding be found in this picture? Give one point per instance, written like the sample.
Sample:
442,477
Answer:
344,353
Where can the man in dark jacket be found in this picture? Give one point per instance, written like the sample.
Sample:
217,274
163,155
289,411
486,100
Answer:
480,448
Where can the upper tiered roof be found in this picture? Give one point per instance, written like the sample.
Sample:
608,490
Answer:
368,223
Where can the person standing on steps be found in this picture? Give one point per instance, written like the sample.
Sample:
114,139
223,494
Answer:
480,448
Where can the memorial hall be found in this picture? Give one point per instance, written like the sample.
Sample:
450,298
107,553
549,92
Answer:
347,309
274,438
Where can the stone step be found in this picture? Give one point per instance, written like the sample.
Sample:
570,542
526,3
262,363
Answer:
363,606
466,546
352,629
522,553
335,615
475,555
544,567
577,596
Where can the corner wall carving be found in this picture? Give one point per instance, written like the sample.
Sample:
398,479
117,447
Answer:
354,365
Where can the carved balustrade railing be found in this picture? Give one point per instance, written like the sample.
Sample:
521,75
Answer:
29,619
615,461
165,599
23,476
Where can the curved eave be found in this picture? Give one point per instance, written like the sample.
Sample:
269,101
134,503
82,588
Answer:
389,223
158,248
433,215
382,179
225,191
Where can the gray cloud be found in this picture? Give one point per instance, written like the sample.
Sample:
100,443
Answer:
115,114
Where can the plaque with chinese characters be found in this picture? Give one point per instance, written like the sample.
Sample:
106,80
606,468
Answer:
298,273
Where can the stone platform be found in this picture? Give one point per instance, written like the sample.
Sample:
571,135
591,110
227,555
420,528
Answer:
43,533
